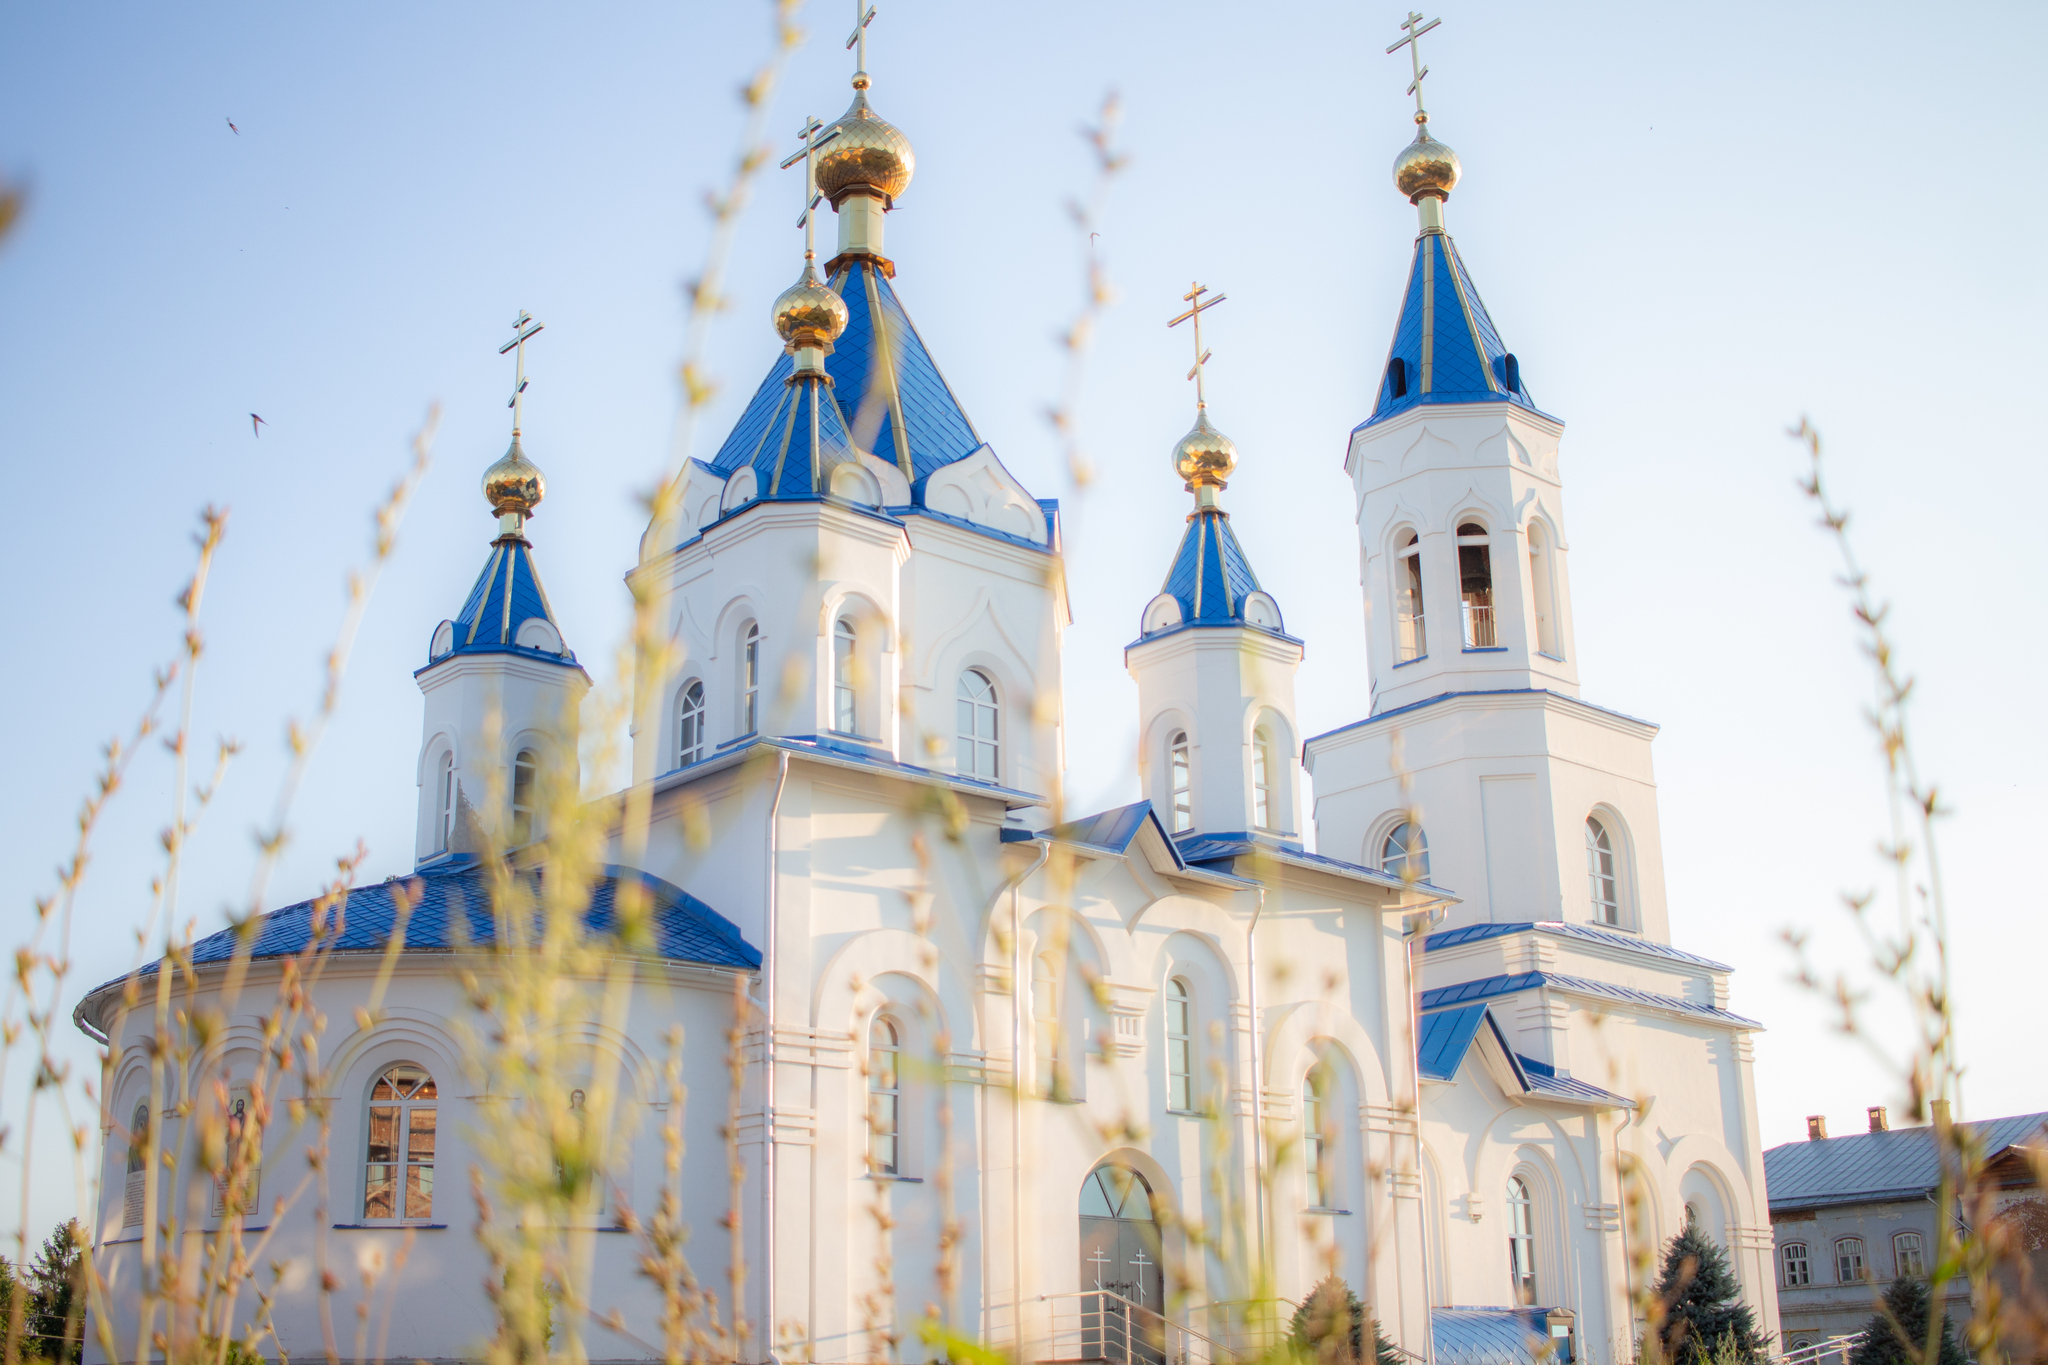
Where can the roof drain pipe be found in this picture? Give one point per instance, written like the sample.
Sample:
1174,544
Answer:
1421,919
1251,954
768,1064
1017,1098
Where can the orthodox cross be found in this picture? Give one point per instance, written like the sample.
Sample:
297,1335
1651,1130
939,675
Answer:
1194,298
1416,28
1098,1260
523,331
863,15
809,156
1141,1261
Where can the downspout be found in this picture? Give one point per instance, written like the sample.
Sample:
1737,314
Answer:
1017,1100
1421,919
1628,1279
1251,954
768,1060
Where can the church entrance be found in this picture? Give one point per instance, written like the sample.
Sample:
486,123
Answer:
1123,1291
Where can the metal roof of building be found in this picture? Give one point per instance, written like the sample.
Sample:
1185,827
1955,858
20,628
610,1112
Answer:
1490,1336
1486,988
506,595
1210,576
1870,1167
1585,933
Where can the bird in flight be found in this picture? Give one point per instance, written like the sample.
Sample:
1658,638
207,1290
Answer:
233,129
256,424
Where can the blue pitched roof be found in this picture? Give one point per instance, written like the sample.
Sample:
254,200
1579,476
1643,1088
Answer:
1210,576
1612,938
1112,829
1489,1336
791,434
1447,347
506,595
1486,988
1446,1037
1902,1163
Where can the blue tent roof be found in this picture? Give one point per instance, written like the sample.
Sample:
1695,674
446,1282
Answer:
1211,576
1445,349
1489,1336
506,595
791,439
1901,1163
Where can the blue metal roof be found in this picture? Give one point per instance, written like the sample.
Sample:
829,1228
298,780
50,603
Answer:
1490,1336
1446,1037
1612,938
1211,576
506,595
1542,1079
1486,988
1862,1167
1446,349
1204,848
1380,717
794,432
1112,830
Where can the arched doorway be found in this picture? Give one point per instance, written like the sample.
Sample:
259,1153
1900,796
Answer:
1120,1266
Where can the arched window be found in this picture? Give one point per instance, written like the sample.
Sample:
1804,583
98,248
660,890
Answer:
750,678
1316,1134
1543,591
1178,775
1262,781
843,718
1405,854
398,1160
1410,641
690,725
885,1097
1521,1241
444,803
1045,1020
976,753
1795,1264
1908,1262
1180,1047
1475,585
525,795
138,1167
1849,1261
1601,883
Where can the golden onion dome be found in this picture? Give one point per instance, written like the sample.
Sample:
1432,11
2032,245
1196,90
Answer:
1426,167
514,484
869,153
809,314
1205,456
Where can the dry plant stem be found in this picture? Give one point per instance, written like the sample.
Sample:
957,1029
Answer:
1097,294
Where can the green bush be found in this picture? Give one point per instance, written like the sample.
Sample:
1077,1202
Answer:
1329,1328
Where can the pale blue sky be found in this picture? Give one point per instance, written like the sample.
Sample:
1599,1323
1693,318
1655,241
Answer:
1692,225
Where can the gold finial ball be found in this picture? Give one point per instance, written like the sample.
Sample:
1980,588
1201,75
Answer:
1205,456
1426,167
869,154
514,484
809,314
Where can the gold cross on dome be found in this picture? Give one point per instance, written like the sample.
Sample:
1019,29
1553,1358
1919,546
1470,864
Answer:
809,156
1416,28
863,15
524,329
1197,305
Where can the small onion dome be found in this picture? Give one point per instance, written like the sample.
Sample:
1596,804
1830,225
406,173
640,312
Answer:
809,314
1425,167
868,154
514,484
1205,457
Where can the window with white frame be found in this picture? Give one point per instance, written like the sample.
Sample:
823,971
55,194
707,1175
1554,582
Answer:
1795,1265
885,1097
975,753
1849,1260
690,724
1602,882
525,795
444,804
1045,1020
1908,1260
1543,590
398,1158
1405,852
1317,1149
1475,585
1410,640
1180,1047
1180,782
1262,781
750,678
1521,1241
844,717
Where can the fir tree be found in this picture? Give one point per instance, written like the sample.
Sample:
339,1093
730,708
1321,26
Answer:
1329,1328
1703,1305
1897,1333
55,1313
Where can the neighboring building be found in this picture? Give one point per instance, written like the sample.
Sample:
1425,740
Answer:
1850,1214
848,760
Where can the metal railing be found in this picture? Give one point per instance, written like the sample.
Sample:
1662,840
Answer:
1101,1324
1479,632
1820,1351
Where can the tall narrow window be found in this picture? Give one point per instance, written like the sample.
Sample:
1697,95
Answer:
1601,883
1475,585
525,795
975,754
885,1097
444,804
750,679
1907,1261
1045,1019
1405,854
1541,589
690,725
398,1163
1410,641
1521,1241
1798,1266
1183,792
138,1167
1180,1047
1849,1260
1315,1135
1262,782
842,677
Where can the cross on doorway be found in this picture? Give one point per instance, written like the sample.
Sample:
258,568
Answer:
1098,1260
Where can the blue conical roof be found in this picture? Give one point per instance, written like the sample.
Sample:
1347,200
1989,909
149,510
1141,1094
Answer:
1446,349
1210,577
507,595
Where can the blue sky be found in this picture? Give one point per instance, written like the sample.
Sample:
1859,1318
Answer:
1692,224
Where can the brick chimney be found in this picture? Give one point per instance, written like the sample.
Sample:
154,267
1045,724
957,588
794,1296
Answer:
1816,1127
1880,1122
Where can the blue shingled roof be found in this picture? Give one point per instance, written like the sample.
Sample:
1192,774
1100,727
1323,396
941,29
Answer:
1446,346
1902,1163
506,595
1446,1037
1489,1336
792,438
1111,829
1486,988
1613,938
1210,576
453,905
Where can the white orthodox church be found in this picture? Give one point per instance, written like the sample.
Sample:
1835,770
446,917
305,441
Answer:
1446,1032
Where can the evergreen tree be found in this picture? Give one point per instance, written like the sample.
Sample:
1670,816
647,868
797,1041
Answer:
1897,1333
55,1321
1329,1328
1703,1305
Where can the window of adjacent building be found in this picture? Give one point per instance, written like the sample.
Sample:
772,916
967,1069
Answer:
690,725
1183,791
525,793
1475,585
1410,642
1907,1260
1180,1047
1849,1260
398,1165
885,1097
1542,589
1405,853
750,678
1316,1147
138,1167
1601,882
1796,1264
1262,782
843,719
976,753
1521,1241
